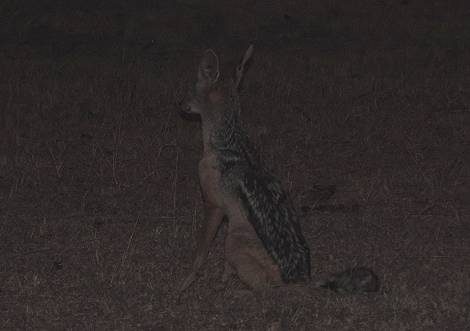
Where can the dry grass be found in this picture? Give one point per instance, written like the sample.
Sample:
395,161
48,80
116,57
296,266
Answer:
99,198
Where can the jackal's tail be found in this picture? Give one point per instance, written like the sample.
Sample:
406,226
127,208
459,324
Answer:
354,280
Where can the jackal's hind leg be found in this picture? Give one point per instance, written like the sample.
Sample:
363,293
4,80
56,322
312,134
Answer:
252,264
212,221
251,273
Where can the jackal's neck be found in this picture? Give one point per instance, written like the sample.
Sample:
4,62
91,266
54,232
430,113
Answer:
226,138
221,129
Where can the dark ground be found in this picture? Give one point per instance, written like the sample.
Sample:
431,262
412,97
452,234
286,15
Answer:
99,199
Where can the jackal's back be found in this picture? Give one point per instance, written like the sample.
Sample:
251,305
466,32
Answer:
268,207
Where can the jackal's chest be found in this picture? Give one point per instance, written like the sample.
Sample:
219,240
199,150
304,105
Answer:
210,179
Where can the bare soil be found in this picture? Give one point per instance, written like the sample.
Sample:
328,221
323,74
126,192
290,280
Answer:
99,197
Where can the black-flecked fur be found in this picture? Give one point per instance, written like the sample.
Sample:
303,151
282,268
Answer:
269,208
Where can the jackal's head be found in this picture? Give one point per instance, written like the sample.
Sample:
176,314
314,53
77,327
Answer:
211,96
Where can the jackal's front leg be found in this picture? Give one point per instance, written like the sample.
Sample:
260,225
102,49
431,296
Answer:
213,218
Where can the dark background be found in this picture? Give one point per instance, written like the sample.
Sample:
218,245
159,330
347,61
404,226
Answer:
99,196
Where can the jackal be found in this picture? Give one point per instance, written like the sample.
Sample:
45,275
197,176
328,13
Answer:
264,244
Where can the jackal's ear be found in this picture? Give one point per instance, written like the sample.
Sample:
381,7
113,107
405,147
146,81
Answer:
240,70
209,67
